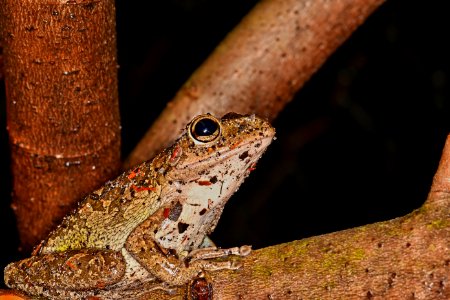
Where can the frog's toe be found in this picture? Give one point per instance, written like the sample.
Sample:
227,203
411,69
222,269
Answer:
245,250
234,265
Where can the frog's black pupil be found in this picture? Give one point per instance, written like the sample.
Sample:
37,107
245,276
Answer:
205,127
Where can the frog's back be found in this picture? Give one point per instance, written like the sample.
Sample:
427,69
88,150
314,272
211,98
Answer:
105,218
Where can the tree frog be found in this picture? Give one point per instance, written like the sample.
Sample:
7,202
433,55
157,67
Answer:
148,228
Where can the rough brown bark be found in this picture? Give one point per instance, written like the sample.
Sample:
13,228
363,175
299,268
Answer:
62,116
260,65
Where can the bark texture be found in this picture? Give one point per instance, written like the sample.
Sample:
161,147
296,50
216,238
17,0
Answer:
260,65
63,113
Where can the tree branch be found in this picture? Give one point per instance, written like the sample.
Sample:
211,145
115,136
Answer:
260,65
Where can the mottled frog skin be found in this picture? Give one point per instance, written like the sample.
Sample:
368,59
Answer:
148,228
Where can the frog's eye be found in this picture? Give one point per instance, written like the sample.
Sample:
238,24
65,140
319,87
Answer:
204,129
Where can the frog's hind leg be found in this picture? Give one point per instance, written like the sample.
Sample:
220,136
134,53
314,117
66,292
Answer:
80,270
135,280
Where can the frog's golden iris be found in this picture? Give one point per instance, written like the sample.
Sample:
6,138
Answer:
205,129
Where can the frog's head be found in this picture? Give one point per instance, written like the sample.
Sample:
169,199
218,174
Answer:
212,148
213,156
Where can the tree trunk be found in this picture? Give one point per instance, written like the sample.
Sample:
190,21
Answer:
62,106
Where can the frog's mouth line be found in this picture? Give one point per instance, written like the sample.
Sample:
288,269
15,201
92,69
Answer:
226,153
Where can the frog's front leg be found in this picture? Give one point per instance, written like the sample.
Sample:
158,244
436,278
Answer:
214,252
177,270
85,269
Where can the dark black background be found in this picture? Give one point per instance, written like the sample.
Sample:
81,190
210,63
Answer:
358,144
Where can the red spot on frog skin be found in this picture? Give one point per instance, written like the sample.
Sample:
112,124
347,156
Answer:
70,265
204,182
143,188
252,167
166,212
100,284
184,238
176,154
36,250
133,173
233,146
